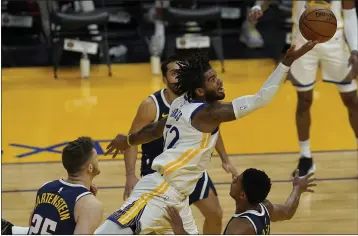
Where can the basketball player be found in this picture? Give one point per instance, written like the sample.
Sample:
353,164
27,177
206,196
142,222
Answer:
339,66
68,206
190,132
254,213
155,108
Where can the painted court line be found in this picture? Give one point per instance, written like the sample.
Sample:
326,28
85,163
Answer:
218,183
232,155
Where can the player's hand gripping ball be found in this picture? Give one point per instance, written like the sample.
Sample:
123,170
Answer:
318,24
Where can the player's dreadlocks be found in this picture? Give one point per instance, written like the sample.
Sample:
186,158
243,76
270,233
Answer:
190,74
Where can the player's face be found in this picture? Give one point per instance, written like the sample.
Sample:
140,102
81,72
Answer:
236,190
235,185
171,77
93,166
213,87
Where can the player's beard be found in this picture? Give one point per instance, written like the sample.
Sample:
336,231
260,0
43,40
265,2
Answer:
212,96
172,87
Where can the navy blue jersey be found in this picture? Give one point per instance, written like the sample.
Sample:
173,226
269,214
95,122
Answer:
154,148
260,220
54,208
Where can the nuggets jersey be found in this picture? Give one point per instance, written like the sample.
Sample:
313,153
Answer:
187,151
54,208
154,148
300,6
259,220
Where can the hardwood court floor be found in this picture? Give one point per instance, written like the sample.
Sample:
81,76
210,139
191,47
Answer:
332,209
40,115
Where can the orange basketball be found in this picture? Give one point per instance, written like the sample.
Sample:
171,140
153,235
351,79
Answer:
318,24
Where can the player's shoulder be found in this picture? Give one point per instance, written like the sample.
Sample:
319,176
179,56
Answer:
147,105
239,225
88,205
268,205
49,184
88,200
88,197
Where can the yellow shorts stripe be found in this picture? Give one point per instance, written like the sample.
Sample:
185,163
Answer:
187,156
142,201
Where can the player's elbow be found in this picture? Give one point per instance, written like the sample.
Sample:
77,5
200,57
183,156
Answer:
265,96
289,214
263,101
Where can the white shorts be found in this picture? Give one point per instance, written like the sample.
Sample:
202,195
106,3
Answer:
332,57
145,210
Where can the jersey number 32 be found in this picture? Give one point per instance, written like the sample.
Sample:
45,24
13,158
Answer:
172,130
41,225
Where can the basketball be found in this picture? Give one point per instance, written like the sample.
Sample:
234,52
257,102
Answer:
318,24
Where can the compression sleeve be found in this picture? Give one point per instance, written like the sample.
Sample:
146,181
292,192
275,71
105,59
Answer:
351,28
246,104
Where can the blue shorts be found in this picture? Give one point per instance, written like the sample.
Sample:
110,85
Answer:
202,188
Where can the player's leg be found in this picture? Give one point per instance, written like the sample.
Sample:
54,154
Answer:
109,227
206,200
7,228
336,70
145,210
303,76
350,100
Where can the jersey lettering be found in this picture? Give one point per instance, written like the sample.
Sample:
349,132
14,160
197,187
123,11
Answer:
58,202
266,230
176,114
40,225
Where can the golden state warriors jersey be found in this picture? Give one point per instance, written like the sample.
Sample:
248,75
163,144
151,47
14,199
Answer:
334,5
187,151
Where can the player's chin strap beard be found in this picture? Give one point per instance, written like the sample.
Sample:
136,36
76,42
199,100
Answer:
173,88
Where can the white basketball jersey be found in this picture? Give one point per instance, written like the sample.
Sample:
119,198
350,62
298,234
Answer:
187,151
300,6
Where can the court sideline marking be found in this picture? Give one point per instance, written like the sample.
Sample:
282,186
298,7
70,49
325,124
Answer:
217,183
234,155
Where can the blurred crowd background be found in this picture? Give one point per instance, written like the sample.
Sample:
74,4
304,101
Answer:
39,32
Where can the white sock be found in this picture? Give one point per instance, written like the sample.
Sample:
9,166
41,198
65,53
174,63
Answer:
305,148
20,230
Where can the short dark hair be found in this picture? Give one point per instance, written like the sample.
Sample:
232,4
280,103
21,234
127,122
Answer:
169,60
256,185
76,154
190,74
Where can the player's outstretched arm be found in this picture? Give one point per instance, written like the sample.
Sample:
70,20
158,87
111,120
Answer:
88,214
147,134
145,115
286,211
212,115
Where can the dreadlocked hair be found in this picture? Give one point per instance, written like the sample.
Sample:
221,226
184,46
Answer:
190,74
